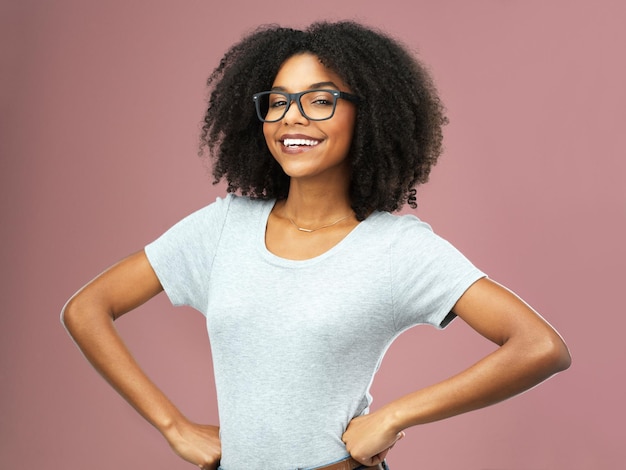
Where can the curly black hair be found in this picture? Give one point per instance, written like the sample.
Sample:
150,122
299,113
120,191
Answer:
398,129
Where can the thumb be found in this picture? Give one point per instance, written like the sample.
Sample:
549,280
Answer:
399,436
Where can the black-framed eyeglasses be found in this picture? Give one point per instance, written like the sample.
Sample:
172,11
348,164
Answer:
315,105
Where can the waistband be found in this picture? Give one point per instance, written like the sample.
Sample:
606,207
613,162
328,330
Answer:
345,464
351,464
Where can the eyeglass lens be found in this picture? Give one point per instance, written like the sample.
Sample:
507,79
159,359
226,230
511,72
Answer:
314,104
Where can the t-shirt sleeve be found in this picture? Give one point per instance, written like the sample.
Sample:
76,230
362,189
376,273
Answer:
183,256
429,275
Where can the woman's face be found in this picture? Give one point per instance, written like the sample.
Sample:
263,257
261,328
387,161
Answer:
306,148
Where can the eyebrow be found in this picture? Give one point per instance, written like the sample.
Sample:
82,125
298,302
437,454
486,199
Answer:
313,86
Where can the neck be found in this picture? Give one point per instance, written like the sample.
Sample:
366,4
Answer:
311,204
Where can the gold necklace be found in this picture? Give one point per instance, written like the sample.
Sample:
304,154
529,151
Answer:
309,230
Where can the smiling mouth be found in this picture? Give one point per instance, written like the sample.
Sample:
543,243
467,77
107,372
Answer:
295,143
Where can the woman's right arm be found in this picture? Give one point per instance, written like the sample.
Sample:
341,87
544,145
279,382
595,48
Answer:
89,318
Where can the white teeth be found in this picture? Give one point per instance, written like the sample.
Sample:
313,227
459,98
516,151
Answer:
296,142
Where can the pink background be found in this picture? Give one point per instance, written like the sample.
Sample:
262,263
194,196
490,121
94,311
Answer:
100,109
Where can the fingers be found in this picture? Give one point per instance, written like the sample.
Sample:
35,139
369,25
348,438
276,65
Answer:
378,458
400,435
208,466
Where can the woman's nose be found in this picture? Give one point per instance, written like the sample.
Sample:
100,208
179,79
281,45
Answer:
294,115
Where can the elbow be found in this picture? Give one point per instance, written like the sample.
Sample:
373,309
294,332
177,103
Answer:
553,355
564,359
79,314
70,315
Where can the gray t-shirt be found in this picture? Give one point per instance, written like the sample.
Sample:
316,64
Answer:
296,344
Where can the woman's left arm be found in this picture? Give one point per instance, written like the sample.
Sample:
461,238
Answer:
530,351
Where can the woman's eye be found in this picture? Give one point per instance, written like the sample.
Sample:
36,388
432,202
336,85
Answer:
322,100
278,103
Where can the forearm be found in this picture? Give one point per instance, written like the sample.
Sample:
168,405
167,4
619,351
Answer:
94,332
89,318
513,368
529,351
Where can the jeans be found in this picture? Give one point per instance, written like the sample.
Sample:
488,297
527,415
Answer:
385,466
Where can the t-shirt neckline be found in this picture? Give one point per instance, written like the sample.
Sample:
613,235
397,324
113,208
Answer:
267,254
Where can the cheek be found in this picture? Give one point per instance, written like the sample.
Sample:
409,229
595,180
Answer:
345,128
267,134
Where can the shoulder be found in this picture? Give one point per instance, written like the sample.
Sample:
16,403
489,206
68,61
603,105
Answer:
229,204
396,227
246,203
243,209
409,238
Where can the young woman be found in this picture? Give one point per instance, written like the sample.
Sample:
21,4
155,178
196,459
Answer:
305,278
